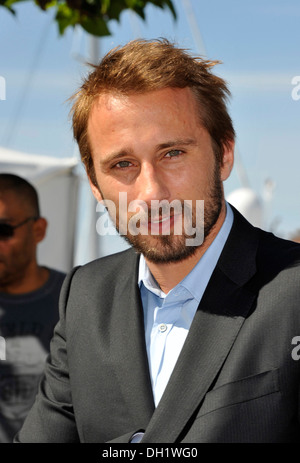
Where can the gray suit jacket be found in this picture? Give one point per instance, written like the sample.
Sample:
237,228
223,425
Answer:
235,379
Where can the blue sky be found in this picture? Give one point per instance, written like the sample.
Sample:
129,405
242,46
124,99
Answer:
257,41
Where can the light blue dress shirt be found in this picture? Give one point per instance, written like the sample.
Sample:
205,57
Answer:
168,317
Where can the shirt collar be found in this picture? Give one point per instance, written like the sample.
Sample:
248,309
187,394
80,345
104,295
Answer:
196,281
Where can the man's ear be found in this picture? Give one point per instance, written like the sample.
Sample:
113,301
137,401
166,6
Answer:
227,160
95,190
39,229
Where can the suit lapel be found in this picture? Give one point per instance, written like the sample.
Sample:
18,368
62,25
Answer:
128,349
221,313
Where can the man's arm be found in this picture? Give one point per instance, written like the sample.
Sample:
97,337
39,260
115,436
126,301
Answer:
51,419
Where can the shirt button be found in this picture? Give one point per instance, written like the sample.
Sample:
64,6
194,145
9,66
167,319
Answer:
162,327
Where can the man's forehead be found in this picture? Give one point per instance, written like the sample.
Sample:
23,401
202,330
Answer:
113,100
12,202
110,101
7,194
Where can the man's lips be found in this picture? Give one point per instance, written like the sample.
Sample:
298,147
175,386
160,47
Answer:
160,219
155,223
164,225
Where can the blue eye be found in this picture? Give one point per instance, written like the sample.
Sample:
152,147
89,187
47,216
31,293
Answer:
173,153
123,164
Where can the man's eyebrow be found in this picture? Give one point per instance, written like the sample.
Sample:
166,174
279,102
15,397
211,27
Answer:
178,142
114,156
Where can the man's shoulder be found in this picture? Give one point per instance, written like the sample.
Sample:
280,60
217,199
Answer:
56,277
53,284
112,264
253,251
269,245
56,273
279,249
96,279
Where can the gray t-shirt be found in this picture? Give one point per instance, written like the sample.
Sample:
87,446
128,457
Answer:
26,328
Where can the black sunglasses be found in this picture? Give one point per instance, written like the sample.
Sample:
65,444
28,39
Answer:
7,230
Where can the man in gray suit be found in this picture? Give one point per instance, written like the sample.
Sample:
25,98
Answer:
192,334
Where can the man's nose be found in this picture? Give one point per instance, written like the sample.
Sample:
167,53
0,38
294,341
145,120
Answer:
152,184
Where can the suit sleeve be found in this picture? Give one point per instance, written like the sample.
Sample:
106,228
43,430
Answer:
51,419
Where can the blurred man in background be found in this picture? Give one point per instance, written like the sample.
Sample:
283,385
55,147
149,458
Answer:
28,301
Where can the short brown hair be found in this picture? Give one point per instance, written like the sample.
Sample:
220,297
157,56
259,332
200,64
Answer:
141,66
23,189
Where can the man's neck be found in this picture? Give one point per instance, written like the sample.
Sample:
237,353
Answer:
32,281
168,275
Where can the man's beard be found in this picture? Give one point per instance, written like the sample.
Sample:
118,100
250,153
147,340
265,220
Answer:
167,248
